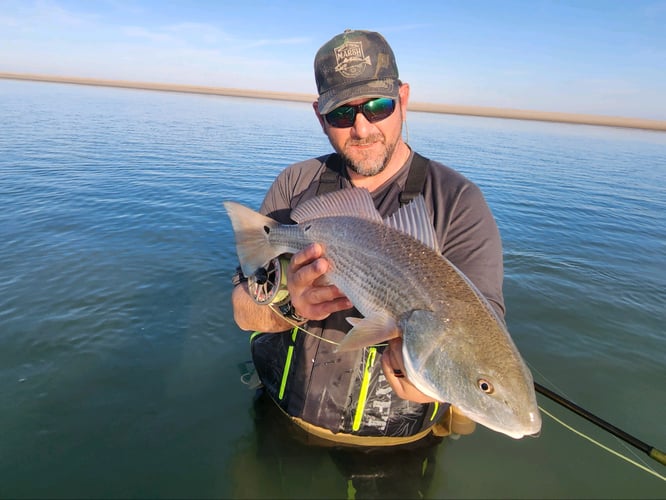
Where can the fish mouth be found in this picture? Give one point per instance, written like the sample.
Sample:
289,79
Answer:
521,435
531,429
535,420
518,435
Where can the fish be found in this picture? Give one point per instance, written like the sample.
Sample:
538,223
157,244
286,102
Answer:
456,348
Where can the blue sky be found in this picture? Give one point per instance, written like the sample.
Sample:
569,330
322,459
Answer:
602,57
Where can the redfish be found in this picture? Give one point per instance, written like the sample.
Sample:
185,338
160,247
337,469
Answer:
456,348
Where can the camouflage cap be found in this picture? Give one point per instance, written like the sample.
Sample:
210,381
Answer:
352,65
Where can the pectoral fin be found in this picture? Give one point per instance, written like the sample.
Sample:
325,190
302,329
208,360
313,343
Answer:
369,331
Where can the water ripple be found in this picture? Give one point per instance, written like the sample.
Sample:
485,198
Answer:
117,338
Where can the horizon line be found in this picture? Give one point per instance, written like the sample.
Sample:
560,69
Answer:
453,109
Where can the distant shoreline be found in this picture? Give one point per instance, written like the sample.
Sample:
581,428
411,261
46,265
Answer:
583,119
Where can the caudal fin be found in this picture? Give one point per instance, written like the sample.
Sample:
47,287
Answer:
251,230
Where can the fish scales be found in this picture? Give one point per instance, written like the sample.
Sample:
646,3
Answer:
369,266
389,276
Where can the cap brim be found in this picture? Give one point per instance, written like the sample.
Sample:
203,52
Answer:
388,87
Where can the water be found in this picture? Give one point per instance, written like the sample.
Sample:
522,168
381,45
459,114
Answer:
118,355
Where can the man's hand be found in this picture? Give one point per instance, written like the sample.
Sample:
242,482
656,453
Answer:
311,296
394,371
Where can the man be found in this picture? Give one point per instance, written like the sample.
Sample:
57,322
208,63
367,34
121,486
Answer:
349,398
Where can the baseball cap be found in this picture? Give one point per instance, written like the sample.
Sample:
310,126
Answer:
352,65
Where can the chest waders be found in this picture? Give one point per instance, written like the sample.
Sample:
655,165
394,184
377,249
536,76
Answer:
364,411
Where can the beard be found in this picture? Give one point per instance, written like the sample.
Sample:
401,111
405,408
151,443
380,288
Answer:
368,163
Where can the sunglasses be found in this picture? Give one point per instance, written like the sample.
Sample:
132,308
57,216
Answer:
374,111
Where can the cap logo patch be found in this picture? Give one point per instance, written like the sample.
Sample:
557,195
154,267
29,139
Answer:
350,59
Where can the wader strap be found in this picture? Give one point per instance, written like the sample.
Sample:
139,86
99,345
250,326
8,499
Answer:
329,180
415,179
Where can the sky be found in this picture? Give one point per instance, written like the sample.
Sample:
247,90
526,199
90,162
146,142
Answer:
603,57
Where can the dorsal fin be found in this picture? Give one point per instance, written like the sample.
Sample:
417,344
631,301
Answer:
414,220
353,202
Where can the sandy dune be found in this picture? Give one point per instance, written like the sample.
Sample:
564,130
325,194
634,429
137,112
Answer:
610,121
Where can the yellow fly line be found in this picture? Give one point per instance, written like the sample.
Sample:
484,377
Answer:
602,446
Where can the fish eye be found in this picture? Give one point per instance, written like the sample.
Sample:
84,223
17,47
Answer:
485,386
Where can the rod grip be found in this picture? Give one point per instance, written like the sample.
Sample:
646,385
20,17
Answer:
658,455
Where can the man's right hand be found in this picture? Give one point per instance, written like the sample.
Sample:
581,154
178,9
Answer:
311,295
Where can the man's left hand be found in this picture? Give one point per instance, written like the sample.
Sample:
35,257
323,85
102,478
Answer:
394,371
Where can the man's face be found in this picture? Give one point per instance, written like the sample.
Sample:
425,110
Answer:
367,148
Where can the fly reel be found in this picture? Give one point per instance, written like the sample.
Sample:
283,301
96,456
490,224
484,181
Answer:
269,285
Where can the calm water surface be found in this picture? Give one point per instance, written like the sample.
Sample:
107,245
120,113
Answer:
119,359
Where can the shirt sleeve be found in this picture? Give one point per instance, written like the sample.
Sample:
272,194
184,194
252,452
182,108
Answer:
469,236
296,182
276,203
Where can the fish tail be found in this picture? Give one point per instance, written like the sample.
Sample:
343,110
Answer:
252,231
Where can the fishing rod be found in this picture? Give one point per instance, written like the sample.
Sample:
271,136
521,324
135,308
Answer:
651,451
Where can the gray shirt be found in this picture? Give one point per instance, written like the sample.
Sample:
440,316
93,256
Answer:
467,232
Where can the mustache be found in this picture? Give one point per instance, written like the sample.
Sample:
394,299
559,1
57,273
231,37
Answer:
365,141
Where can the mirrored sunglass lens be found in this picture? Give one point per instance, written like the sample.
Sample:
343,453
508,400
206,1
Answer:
378,109
342,116
374,111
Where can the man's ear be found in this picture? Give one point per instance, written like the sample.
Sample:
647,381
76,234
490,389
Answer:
404,98
322,122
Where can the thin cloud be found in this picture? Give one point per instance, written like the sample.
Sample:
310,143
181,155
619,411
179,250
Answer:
9,22
207,33
198,34
145,34
54,14
277,41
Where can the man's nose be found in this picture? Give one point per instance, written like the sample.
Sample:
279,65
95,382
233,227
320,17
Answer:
361,127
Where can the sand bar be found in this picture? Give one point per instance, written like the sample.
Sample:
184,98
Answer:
518,114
